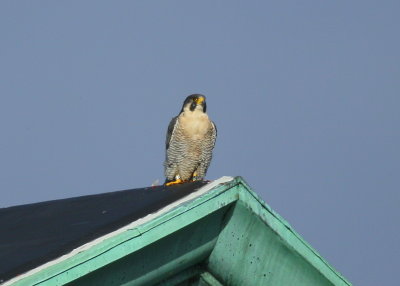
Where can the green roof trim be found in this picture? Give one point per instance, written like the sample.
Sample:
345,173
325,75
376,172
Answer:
222,234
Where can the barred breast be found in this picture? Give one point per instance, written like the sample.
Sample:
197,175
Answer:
190,147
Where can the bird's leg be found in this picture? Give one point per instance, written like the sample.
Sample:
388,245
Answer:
195,177
178,180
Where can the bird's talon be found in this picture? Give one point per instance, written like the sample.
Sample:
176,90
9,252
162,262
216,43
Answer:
178,181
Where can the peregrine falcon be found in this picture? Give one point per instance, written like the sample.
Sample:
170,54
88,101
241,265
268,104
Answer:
190,140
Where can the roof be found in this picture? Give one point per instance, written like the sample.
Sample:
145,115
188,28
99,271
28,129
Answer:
36,233
220,233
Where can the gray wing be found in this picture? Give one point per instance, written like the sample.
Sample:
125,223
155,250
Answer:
215,133
171,128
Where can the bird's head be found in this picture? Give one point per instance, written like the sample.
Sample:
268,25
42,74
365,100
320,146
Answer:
194,102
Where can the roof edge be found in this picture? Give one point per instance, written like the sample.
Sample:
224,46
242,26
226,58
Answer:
108,241
135,235
287,233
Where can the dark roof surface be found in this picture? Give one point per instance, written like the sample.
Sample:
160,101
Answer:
34,234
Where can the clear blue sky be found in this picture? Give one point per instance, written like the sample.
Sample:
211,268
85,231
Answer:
305,95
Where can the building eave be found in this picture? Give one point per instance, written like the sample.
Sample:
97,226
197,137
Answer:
201,209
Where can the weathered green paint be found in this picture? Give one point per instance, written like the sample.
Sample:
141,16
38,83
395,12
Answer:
207,279
171,254
262,258
227,236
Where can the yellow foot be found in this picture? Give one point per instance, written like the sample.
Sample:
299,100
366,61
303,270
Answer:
178,181
195,177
